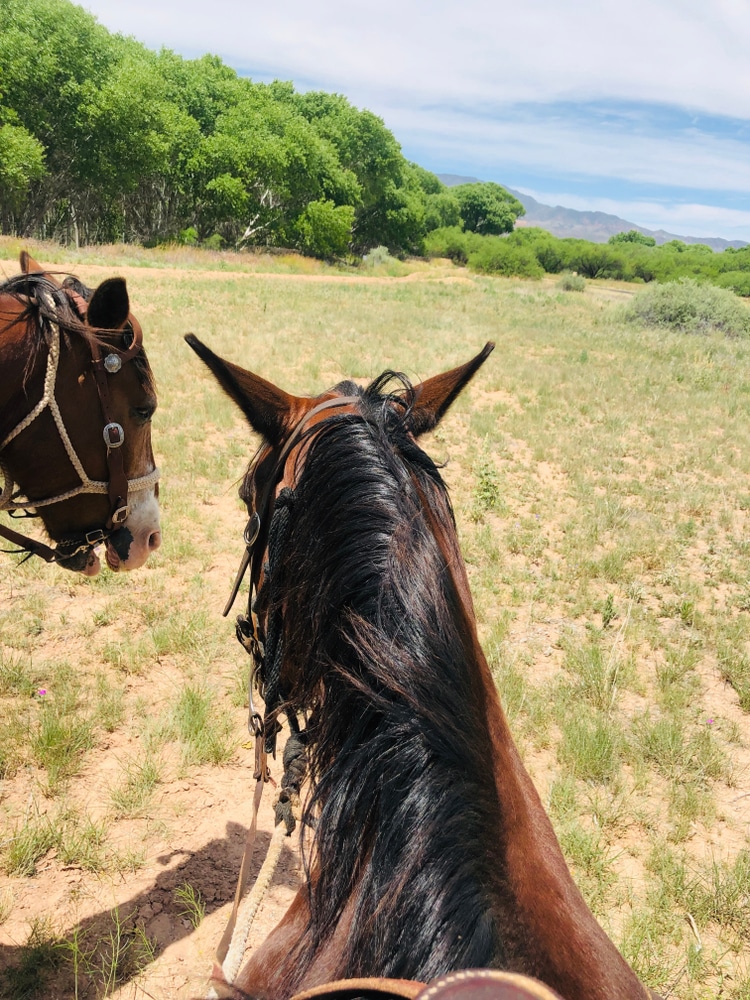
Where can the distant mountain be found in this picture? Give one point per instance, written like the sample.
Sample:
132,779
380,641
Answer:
594,226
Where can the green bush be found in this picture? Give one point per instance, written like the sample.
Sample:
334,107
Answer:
572,282
632,236
325,229
498,256
737,281
689,307
448,241
377,256
596,260
189,237
214,242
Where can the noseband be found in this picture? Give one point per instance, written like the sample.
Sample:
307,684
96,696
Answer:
117,486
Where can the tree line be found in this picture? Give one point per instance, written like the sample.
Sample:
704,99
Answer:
104,140
532,252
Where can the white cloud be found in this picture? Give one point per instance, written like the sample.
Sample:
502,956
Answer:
686,52
464,86
562,147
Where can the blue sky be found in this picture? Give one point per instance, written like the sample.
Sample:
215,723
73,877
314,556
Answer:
639,109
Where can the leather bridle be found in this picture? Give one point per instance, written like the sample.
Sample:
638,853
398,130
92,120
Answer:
118,486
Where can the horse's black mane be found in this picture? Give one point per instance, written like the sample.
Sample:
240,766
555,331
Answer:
25,289
381,649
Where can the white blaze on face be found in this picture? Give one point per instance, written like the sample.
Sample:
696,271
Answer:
143,525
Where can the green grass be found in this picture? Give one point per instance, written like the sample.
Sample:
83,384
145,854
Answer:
76,839
201,727
40,956
27,845
7,903
591,746
141,775
191,901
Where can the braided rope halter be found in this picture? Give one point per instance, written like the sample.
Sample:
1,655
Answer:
113,434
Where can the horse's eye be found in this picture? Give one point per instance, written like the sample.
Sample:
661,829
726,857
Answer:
143,413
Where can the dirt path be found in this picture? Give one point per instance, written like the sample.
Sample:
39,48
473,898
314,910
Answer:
97,272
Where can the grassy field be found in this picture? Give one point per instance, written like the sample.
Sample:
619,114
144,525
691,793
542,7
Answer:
601,479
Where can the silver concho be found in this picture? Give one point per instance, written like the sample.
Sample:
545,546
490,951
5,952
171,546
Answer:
114,435
113,363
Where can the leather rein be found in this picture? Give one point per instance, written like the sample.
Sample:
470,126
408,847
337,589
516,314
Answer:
118,486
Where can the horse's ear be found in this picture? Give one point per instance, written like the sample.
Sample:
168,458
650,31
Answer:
28,264
109,306
435,395
266,407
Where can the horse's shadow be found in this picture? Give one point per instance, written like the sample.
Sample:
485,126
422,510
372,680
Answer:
115,945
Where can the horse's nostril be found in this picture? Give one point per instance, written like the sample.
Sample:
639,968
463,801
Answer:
154,540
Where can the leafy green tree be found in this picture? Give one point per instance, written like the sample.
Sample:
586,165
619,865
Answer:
633,236
738,281
594,260
324,229
487,208
21,163
548,249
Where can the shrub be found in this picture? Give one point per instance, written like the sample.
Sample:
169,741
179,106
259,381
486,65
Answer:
449,241
737,281
689,307
325,229
572,282
188,237
214,242
498,256
633,236
596,260
377,256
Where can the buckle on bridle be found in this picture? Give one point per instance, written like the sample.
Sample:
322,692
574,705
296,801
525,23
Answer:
113,435
252,528
121,515
95,537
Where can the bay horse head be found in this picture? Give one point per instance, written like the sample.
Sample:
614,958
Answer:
76,402
426,847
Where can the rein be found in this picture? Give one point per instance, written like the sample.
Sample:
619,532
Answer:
117,486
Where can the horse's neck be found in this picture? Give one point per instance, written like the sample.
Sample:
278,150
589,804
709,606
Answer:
547,928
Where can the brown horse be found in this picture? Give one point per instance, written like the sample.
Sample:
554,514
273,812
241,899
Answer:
426,847
76,400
